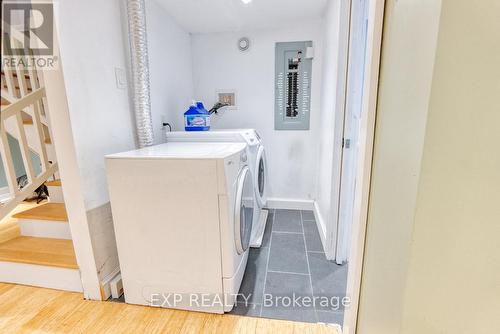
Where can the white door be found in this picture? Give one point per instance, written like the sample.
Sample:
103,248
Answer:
352,122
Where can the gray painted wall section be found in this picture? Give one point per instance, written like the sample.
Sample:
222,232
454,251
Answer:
103,238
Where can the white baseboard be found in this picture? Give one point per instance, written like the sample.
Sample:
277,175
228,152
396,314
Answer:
321,224
44,229
106,290
116,286
41,276
289,204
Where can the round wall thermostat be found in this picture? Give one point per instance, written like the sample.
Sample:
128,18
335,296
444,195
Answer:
243,44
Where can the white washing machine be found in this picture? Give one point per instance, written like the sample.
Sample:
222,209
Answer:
182,215
257,163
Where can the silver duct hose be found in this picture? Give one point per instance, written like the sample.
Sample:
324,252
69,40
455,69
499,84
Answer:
140,71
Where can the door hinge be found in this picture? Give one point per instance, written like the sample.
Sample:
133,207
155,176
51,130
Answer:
346,143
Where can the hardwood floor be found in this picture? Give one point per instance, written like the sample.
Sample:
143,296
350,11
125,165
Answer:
26,309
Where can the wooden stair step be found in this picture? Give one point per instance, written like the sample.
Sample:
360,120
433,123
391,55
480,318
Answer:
49,211
54,183
39,251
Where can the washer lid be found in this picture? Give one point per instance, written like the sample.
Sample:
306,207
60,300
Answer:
250,136
183,150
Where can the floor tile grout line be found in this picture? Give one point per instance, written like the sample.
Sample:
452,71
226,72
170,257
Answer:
308,266
285,232
287,272
267,263
336,312
318,252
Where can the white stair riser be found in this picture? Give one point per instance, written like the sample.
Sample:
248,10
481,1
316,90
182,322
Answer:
56,194
5,194
44,229
41,276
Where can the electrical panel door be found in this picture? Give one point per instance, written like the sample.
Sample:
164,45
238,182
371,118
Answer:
293,86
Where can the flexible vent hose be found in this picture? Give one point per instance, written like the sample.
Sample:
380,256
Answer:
140,71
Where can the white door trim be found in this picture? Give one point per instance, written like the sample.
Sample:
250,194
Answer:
352,117
360,212
341,93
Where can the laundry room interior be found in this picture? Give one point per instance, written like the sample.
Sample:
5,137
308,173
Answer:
250,166
209,157
272,76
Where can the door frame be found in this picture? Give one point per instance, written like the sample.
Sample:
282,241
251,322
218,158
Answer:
364,163
349,129
331,232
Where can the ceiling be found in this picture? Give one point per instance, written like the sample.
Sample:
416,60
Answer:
210,16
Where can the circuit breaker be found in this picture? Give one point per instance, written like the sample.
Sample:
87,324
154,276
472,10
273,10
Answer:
293,86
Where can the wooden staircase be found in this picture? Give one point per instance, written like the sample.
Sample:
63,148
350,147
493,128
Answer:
36,247
35,240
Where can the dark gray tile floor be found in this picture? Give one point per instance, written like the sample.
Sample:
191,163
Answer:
289,277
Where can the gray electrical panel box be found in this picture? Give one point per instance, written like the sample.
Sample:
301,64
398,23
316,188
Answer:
292,86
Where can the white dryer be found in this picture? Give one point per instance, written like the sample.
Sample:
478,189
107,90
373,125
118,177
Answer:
182,215
257,163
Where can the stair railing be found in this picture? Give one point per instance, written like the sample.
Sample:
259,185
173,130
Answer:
26,96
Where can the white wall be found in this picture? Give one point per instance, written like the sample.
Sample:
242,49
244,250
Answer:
218,64
100,112
101,115
92,45
170,66
453,279
432,260
332,99
408,54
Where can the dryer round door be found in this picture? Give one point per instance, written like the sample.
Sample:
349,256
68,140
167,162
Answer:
260,177
243,213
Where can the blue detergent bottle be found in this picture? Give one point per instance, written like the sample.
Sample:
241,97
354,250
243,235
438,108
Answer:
197,118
